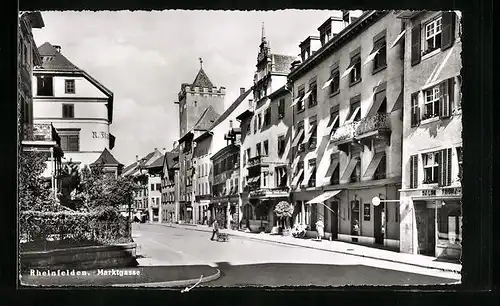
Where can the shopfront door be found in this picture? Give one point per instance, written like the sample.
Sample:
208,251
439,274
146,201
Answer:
425,219
334,219
379,223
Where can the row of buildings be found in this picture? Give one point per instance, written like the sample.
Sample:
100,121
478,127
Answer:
370,108
62,110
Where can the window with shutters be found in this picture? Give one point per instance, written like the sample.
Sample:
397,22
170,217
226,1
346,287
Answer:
415,110
312,168
313,97
158,187
380,60
335,84
355,113
281,109
445,166
257,148
70,140
300,103
355,74
266,147
313,126
259,120
69,86
334,160
380,172
431,167
432,100
281,145
414,171
356,173
68,111
267,117
432,35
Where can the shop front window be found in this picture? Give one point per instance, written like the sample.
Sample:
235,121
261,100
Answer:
450,223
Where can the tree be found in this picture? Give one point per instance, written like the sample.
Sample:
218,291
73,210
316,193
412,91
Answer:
34,192
283,211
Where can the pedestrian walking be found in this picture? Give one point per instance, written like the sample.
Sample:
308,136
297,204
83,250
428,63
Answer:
320,226
215,229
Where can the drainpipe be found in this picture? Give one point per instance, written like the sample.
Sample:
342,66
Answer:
53,173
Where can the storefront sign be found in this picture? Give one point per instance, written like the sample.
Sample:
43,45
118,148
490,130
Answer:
452,191
100,135
428,192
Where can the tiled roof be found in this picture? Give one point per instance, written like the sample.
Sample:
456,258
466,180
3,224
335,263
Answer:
282,62
157,163
206,120
128,168
56,60
230,109
202,80
106,158
169,156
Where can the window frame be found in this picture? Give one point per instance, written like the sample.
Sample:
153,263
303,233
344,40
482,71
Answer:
300,104
281,145
434,102
335,75
313,123
426,49
265,147
281,108
379,64
68,89
355,73
312,179
434,167
313,97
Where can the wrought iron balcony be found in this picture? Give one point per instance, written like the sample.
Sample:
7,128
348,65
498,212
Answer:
261,160
39,132
377,122
345,132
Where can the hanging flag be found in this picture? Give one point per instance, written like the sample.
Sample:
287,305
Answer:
398,39
327,83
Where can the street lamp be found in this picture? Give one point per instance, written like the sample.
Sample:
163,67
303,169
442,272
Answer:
376,201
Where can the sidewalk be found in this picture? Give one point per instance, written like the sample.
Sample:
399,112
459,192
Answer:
338,247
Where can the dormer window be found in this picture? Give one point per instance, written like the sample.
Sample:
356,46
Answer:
326,35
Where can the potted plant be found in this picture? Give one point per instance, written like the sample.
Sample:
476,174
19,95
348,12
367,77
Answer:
284,211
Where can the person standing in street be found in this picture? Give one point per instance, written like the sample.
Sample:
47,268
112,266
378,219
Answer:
215,229
320,226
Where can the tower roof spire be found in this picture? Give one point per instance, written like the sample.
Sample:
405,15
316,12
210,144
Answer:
201,63
263,32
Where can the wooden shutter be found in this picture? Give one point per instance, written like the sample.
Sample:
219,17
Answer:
448,30
402,43
444,178
415,44
415,111
414,171
73,143
444,100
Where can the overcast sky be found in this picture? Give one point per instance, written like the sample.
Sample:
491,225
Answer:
143,57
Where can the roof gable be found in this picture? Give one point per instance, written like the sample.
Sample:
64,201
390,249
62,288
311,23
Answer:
208,117
202,80
157,163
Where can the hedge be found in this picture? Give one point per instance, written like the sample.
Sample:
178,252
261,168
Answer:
44,226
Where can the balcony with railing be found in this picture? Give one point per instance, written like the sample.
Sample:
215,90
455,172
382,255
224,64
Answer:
373,126
345,133
40,132
261,160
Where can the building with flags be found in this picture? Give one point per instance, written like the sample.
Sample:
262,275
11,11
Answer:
200,104
265,124
76,104
216,162
347,128
431,217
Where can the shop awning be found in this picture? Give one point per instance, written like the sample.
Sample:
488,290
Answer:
324,196
372,167
349,169
297,138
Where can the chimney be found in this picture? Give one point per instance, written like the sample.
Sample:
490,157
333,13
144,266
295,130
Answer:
250,103
230,124
137,159
242,90
58,48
